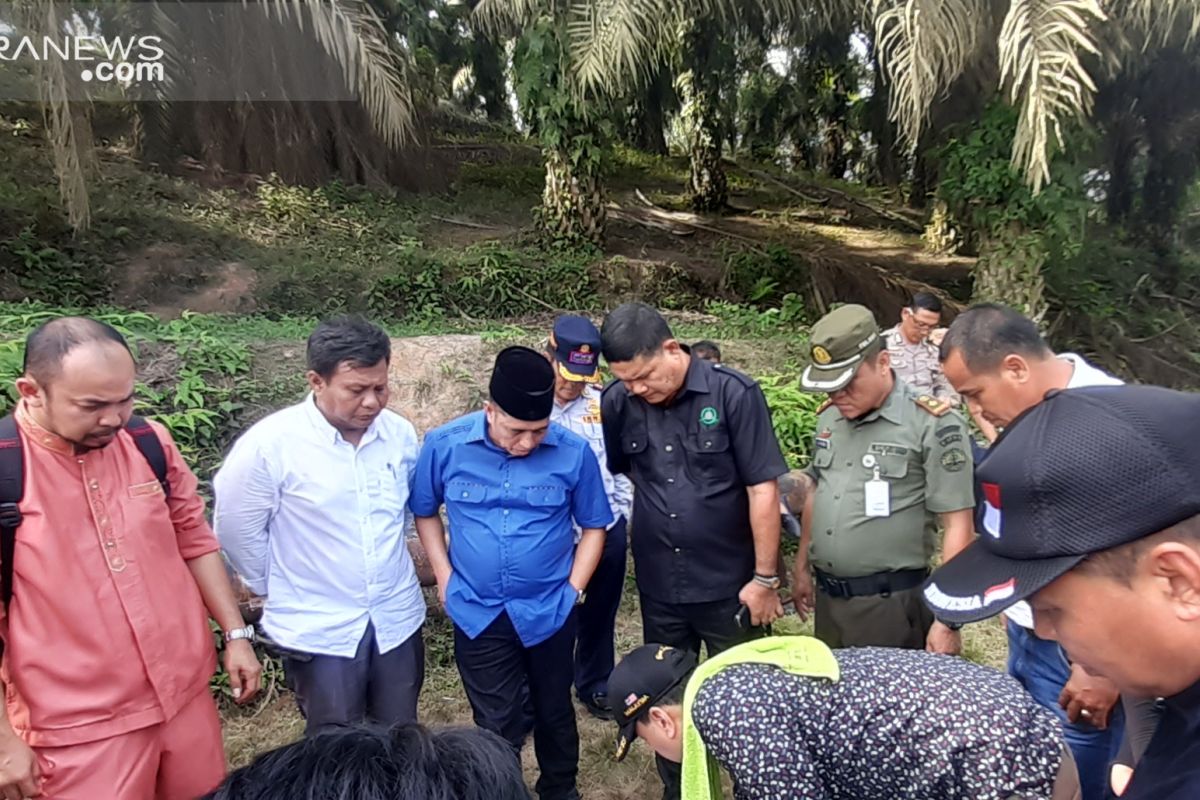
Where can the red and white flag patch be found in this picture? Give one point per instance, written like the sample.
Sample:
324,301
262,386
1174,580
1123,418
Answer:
1000,592
991,509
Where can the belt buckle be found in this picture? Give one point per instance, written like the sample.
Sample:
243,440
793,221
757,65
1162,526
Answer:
842,587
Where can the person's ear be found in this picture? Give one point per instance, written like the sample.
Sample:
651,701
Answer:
1176,566
885,361
315,381
30,391
1015,368
671,347
664,721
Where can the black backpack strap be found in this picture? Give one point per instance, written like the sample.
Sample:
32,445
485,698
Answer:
151,449
12,491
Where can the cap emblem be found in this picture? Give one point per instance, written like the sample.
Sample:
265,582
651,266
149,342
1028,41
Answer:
820,355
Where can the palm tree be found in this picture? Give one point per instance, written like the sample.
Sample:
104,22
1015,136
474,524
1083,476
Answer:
348,32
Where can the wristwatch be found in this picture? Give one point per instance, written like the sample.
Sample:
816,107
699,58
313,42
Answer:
768,581
580,596
246,633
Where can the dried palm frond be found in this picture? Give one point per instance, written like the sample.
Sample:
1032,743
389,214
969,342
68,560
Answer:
922,46
352,34
67,126
1042,43
1157,22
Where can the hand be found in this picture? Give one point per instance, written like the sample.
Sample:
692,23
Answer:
245,672
443,583
803,594
20,773
942,640
763,603
1088,698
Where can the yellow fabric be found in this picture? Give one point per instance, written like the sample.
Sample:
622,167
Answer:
799,655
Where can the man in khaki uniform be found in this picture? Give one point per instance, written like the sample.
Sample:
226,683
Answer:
914,357
888,464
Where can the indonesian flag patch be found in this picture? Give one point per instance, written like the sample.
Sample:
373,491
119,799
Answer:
991,509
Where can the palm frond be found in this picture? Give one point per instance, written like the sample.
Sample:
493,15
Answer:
351,33
616,43
922,46
1042,43
67,127
502,18
1157,22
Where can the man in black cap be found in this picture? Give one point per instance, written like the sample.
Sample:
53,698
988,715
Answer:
789,718
1092,514
513,484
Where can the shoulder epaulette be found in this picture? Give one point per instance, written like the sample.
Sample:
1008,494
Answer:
743,379
824,405
932,405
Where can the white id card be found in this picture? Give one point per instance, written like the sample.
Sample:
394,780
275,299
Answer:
878,497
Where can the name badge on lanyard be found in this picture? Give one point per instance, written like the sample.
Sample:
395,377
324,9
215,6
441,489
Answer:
877,496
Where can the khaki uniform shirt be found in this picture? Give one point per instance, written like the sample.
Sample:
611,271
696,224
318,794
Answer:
925,460
918,365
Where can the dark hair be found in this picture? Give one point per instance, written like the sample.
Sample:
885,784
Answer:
632,330
706,348
406,762
988,332
674,697
48,344
927,301
349,338
1120,562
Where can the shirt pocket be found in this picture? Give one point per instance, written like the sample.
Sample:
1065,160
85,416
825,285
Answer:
709,455
546,497
823,455
473,494
634,440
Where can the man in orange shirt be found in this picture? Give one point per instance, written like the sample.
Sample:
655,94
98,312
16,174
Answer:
107,652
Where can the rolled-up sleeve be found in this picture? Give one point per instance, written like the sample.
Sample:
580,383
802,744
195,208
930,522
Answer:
247,497
192,532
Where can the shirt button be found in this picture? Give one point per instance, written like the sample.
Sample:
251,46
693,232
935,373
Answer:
110,543
668,448
506,484
506,512
466,494
677,550
94,484
674,516
670,480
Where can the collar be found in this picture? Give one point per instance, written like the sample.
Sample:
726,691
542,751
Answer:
332,434
39,435
591,392
696,379
478,433
893,407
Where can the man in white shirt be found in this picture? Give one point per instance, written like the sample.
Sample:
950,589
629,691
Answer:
914,355
574,349
311,506
1001,366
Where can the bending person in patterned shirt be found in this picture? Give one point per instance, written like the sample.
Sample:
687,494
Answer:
880,724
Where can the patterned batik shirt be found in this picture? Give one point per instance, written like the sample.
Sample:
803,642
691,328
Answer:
898,725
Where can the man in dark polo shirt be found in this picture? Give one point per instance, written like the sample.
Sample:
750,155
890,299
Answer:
697,442
1093,515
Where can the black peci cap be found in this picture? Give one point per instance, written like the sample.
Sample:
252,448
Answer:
1083,471
522,384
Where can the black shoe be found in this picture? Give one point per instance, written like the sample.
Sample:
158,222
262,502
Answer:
597,706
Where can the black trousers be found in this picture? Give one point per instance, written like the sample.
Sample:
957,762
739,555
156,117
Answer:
594,649
687,625
501,675
333,690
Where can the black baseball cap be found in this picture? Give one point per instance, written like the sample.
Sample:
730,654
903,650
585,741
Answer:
576,345
1083,471
643,678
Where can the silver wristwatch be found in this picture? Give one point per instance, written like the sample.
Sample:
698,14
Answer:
246,633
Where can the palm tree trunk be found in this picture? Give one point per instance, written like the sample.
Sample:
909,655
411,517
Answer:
573,206
710,187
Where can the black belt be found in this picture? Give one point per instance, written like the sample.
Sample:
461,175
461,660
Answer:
881,583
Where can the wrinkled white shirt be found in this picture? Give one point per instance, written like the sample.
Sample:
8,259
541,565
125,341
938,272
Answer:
317,525
582,416
1084,375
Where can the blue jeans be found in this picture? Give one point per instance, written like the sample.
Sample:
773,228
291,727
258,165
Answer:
1042,668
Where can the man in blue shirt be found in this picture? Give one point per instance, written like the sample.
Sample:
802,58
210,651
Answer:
512,484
